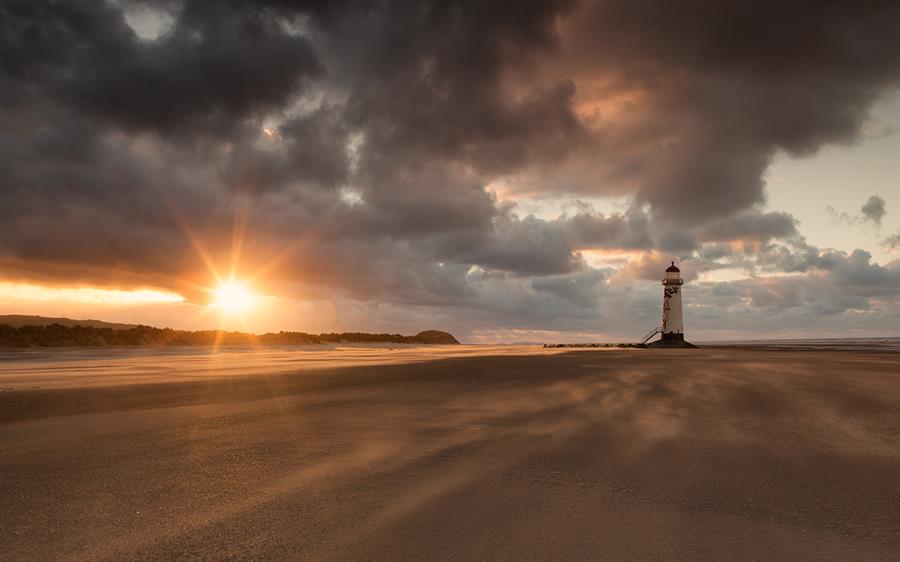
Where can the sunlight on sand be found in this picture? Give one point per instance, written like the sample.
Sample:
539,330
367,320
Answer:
68,368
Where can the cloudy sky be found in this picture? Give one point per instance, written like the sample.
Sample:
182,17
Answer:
505,172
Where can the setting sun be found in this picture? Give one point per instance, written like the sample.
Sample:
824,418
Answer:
232,296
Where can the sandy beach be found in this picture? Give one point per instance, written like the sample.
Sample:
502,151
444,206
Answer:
477,453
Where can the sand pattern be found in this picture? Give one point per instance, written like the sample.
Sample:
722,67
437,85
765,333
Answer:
516,454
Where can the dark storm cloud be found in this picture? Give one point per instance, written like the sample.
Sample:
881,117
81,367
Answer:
630,230
530,246
758,226
723,85
359,142
580,290
309,150
220,62
435,87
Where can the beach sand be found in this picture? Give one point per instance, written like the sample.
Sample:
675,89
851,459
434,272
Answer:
475,453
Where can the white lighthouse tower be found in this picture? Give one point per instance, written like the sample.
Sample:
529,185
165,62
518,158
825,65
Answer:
672,318
672,326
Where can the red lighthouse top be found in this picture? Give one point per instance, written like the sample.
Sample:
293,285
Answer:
672,269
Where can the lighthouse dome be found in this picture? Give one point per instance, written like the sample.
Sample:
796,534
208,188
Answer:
672,269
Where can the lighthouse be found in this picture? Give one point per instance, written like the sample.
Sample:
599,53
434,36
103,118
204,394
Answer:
672,326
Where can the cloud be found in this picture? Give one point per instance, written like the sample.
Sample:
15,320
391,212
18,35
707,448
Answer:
891,242
693,106
350,146
206,71
629,230
873,210
751,225
580,290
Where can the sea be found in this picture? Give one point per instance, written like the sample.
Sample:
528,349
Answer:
883,344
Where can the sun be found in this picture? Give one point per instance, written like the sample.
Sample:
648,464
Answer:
233,296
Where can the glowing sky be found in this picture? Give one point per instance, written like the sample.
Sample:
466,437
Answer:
504,175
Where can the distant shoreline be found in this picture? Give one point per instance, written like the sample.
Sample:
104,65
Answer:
58,335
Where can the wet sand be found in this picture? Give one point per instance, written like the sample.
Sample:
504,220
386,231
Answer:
492,454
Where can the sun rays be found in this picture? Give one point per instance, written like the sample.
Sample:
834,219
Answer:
234,288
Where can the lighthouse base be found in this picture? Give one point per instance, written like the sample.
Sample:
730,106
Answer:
672,340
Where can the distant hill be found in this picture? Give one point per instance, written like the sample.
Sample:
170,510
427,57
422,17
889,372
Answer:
435,336
78,333
17,320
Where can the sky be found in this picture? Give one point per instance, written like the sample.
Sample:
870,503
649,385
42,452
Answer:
508,175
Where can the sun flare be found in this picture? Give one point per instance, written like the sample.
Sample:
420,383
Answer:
233,296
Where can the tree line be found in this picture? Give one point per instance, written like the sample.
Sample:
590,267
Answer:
57,335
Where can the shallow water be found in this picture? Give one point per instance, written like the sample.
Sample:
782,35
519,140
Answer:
886,344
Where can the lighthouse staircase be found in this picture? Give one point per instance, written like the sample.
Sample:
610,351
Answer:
650,334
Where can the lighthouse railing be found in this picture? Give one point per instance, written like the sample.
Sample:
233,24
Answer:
650,334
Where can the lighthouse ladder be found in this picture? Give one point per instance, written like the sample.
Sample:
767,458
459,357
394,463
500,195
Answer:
650,334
